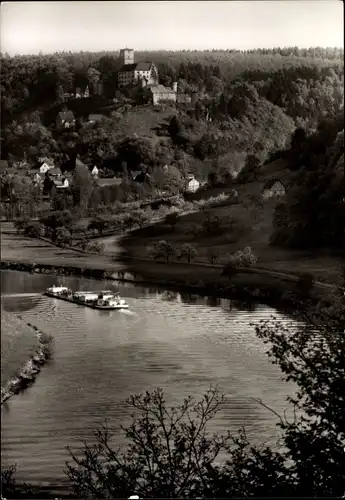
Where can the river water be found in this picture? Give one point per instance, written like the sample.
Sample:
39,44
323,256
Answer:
180,343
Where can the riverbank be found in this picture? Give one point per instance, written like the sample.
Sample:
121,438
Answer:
192,279
24,350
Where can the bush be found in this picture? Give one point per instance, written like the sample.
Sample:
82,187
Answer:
169,451
34,230
162,250
96,247
21,223
305,284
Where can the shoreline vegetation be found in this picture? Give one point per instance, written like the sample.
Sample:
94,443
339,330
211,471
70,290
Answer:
277,290
38,355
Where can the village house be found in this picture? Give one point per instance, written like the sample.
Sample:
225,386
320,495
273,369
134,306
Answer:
133,73
53,183
54,173
82,92
192,184
183,98
159,94
45,164
273,189
95,172
65,119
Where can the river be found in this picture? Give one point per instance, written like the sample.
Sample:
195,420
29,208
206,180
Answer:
181,344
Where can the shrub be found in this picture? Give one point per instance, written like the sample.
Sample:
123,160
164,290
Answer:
34,230
305,284
188,251
21,223
212,256
96,247
162,249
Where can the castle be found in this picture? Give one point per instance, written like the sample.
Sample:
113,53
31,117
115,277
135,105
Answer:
145,73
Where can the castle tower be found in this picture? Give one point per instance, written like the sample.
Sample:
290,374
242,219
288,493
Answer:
127,56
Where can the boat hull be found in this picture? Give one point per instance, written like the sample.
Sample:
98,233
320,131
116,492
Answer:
87,304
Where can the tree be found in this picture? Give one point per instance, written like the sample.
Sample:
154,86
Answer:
63,237
169,453
81,187
212,256
55,220
211,224
163,249
188,251
21,223
172,220
96,247
250,169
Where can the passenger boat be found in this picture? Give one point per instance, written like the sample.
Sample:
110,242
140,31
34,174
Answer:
106,299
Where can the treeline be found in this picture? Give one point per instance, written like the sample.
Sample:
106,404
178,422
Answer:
313,213
36,80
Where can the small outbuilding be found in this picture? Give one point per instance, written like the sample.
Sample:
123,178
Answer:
192,184
273,189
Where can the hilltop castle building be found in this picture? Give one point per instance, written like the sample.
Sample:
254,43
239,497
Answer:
131,73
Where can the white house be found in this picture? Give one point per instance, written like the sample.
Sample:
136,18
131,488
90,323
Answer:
273,189
94,171
63,184
45,164
192,184
45,167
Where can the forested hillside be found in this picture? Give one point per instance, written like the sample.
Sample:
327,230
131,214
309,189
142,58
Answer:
251,107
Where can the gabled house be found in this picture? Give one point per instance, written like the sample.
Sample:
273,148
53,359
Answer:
192,184
54,173
61,184
273,189
53,184
159,93
141,177
94,172
65,119
45,164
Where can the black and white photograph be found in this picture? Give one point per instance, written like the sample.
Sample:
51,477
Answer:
172,249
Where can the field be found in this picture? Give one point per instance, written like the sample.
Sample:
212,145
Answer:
254,218
18,248
18,342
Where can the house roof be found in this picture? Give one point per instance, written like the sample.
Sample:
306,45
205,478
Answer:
79,163
128,67
95,117
143,66
54,171
160,89
48,161
66,115
272,182
140,66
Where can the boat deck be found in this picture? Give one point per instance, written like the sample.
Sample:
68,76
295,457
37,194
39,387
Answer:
91,304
